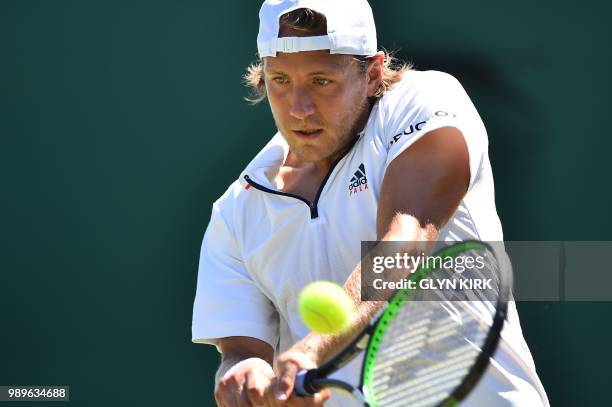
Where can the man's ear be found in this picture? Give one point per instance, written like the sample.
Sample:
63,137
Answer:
374,73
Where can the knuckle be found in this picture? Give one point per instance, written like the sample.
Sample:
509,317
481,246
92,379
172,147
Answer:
231,380
285,382
255,392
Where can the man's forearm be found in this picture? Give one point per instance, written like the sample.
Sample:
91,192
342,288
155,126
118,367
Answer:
322,347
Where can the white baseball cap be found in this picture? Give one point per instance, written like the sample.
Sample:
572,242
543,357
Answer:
350,28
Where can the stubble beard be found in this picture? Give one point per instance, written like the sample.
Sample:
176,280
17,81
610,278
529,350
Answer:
345,134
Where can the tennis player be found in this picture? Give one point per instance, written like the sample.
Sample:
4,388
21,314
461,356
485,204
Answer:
366,149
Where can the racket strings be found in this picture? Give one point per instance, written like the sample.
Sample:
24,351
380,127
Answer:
411,369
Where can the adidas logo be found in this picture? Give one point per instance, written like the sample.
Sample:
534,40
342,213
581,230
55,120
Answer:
359,182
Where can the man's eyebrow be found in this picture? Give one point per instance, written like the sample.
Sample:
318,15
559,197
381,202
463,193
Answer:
273,72
325,72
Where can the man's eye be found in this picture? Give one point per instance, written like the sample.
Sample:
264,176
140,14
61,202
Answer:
321,81
280,79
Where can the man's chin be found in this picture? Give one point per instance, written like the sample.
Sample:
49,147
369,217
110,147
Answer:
310,154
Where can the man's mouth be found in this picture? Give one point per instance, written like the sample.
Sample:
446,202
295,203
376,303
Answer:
308,132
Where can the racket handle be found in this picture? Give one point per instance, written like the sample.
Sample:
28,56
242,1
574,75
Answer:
303,383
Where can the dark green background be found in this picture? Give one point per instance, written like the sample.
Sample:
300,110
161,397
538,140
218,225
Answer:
122,121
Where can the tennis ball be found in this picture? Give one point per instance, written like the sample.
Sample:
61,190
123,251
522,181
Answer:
325,307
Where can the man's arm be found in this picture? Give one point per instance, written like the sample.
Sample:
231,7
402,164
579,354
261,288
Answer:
245,371
422,188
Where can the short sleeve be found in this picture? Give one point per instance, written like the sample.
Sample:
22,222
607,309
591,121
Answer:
227,301
427,101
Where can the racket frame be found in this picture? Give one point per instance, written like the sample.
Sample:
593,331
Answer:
311,381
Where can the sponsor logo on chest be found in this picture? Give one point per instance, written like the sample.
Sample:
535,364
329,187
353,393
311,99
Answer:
359,181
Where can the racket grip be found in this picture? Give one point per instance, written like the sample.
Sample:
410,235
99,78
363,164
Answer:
303,386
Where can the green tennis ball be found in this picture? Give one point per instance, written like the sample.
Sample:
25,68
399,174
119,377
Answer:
325,307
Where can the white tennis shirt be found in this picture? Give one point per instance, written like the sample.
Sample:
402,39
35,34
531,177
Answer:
262,247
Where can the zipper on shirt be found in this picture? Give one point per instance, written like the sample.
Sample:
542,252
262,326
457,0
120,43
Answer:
314,211
313,208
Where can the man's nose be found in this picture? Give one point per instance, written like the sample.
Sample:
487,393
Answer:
301,104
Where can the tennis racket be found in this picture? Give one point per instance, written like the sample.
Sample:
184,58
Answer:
428,347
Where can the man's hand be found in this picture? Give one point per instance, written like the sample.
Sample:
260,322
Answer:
288,364
245,372
244,384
